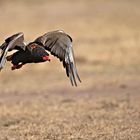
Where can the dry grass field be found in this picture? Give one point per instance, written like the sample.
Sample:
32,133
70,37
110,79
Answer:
38,102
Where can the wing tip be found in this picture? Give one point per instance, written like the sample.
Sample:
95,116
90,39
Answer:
74,75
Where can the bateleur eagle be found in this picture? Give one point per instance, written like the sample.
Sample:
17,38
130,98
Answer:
58,43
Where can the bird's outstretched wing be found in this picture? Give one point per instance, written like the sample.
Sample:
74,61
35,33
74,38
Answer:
60,45
15,41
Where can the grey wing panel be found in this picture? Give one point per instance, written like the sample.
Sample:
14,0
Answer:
71,67
10,44
60,45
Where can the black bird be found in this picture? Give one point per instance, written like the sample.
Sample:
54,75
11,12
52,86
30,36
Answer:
58,43
33,53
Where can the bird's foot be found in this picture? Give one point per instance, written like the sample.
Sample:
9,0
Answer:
14,67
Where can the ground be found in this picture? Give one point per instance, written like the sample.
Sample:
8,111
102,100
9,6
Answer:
38,102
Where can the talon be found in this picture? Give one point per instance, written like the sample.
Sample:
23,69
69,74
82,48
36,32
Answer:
13,67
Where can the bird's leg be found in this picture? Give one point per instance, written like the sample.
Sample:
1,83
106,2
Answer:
16,66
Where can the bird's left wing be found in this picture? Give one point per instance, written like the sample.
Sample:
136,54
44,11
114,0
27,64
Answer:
60,45
13,42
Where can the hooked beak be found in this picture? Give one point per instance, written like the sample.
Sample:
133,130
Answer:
46,58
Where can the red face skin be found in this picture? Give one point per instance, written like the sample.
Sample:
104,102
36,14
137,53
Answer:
46,58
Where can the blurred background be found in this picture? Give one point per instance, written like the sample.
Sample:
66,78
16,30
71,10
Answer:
105,33
106,42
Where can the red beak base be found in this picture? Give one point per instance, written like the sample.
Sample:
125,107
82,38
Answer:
46,58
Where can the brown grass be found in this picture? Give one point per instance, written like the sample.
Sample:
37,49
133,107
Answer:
38,102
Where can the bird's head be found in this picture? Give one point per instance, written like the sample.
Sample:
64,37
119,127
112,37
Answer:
46,58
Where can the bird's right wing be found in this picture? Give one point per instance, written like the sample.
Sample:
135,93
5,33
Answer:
12,42
59,44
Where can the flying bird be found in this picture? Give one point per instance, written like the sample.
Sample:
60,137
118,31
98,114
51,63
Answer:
57,43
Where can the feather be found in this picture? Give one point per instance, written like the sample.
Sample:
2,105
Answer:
10,44
59,44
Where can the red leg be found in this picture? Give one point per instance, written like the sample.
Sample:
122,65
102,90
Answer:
16,66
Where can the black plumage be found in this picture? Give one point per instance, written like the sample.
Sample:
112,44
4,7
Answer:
30,55
58,43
